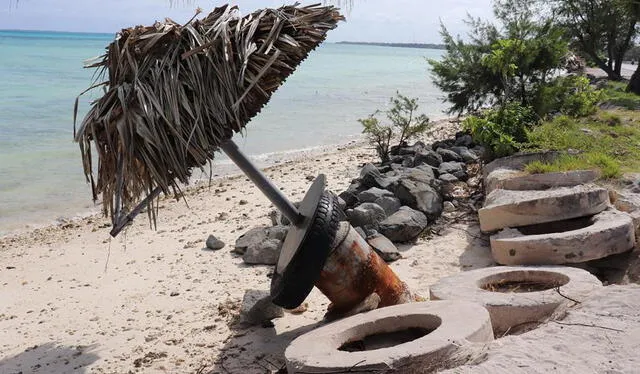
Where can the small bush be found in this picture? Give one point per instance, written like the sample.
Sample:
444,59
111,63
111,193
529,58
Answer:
405,125
501,130
572,95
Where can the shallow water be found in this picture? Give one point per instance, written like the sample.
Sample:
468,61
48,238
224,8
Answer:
41,175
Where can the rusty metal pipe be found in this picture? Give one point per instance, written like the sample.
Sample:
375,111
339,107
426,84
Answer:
354,271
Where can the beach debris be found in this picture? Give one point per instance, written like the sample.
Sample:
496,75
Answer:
153,126
404,225
214,243
257,308
384,247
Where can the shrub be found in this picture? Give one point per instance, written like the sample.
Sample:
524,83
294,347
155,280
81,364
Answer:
608,166
405,125
571,95
614,94
501,130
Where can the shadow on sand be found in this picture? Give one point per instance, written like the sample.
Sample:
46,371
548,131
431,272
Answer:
50,358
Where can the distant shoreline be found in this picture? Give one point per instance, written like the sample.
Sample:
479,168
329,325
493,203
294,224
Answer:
399,45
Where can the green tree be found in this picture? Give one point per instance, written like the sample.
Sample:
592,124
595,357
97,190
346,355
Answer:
500,64
602,30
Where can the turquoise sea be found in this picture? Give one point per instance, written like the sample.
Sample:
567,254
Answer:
41,73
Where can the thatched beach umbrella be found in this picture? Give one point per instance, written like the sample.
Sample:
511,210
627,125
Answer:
175,93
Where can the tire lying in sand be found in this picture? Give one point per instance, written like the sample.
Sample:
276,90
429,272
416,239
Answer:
518,297
407,338
504,208
602,235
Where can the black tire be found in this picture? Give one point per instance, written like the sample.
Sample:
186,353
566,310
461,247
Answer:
289,289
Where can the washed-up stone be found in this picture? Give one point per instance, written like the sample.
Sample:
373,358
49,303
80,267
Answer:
390,204
448,155
446,177
263,253
451,167
428,157
214,243
258,308
464,140
403,226
465,153
366,215
252,237
372,194
384,247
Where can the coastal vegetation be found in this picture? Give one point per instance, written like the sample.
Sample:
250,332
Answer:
509,80
404,124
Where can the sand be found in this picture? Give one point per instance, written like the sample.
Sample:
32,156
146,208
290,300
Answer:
75,301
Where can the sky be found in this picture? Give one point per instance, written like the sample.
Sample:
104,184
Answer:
411,21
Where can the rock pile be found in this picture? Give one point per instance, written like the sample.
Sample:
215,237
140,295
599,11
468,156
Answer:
392,202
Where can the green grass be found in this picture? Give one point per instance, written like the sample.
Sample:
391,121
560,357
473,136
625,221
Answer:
614,94
608,141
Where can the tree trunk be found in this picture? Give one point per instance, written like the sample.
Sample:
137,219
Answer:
634,83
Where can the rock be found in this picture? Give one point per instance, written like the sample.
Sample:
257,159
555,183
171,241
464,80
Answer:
257,308
252,237
465,140
277,232
360,232
372,194
243,202
404,225
480,151
263,253
448,155
451,167
420,196
461,175
465,153
384,247
214,243
449,207
350,199
446,177
366,215
428,157
277,219
371,177
447,143
412,149
341,203
390,204
407,162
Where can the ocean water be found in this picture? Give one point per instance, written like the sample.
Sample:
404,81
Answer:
41,73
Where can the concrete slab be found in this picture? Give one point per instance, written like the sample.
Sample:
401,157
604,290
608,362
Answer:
518,161
504,208
453,326
607,233
508,179
511,310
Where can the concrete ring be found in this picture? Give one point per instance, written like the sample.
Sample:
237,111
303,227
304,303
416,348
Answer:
542,290
407,338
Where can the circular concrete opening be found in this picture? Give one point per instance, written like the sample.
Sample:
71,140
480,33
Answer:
387,339
557,226
518,297
519,281
408,338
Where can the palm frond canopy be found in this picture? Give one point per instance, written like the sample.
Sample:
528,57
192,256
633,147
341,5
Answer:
174,93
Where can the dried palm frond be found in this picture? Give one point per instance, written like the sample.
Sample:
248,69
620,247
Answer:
174,93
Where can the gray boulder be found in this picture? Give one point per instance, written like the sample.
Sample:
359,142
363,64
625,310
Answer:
214,243
384,247
257,308
372,194
448,155
366,215
371,177
263,253
446,177
451,167
465,153
390,204
252,237
420,196
277,232
404,225
427,157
